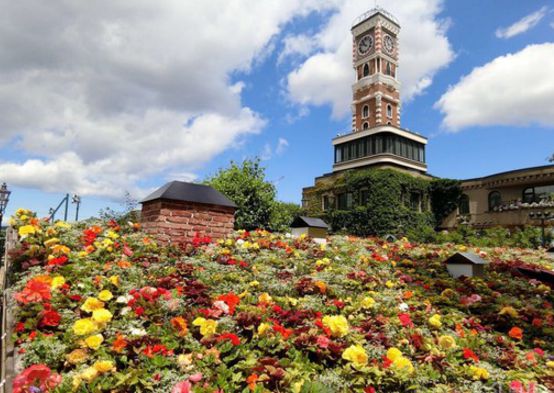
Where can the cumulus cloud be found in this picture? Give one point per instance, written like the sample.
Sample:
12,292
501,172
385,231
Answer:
296,45
326,75
268,152
99,96
522,25
282,145
515,89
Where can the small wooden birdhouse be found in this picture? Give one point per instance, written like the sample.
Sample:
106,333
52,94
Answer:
309,226
466,264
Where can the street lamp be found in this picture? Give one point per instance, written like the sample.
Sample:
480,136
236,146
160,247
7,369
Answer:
76,199
543,216
4,198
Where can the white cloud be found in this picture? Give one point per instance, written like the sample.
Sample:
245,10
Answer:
282,146
268,152
326,76
515,89
99,96
522,25
297,45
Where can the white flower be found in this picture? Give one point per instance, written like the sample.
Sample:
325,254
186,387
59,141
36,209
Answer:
239,242
138,332
403,307
123,299
125,310
221,305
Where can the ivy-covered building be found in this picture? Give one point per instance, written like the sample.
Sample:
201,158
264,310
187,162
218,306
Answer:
376,140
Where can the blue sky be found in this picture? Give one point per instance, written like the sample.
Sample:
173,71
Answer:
112,120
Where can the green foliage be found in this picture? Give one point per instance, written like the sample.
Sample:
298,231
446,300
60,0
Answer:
245,184
2,242
526,237
387,207
282,215
445,195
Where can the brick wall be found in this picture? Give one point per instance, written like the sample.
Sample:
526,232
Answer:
178,222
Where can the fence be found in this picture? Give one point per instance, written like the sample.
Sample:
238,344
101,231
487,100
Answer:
7,347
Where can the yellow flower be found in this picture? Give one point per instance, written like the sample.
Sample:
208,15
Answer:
62,224
265,298
105,295
356,354
94,342
478,373
60,249
207,326
393,354
435,321
57,282
403,364
104,366
83,327
263,327
101,316
254,283
509,310
337,324
51,242
27,230
112,235
92,304
77,356
114,280
447,342
89,374
389,284
550,364
368,302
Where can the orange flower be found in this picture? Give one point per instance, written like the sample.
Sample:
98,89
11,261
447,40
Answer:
124,264
321,286
251,380
460,330
119,343
516,333
180,325
408,295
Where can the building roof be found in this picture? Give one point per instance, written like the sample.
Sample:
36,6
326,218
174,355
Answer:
464,258
512,172
190,192
312,222
377,10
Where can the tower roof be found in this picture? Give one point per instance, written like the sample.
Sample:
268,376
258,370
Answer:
374,11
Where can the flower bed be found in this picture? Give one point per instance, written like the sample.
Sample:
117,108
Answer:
102,308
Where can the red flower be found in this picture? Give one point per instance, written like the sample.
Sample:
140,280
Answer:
139,311
58,261
231,300
405,320
282,330
34,292
516,333
469,354
50,318
235,340
369,389
36,376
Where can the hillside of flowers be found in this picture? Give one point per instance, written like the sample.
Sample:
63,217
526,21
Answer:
99,307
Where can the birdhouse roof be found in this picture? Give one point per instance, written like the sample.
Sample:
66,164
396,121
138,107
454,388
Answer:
311,222
466,258
190,192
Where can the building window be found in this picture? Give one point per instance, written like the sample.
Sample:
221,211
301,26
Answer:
538,193
366,70
388,70
364,197
344,201
365,126
415,201
365,111
495,200
326,202
463,205
389,111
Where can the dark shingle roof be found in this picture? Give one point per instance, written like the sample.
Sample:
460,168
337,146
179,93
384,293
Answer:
465,258
190,192
302,221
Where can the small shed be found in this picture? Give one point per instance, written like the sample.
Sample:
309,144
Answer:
310,226
466,264
178,211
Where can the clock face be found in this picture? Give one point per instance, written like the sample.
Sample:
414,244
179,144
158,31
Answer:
389,44
365,44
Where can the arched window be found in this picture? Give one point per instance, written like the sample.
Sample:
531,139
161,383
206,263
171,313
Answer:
366,70
463,205
365,126
365,111
389,110
388,71
495,200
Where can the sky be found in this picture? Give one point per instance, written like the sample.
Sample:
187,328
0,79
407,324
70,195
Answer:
112,98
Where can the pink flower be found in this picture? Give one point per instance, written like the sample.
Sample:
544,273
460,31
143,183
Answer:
405,320
323,341
37,376
195,377
182,387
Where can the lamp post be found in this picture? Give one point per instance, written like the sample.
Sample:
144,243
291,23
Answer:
543,216
76,199
4,199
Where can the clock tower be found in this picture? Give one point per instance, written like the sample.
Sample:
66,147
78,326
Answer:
376,95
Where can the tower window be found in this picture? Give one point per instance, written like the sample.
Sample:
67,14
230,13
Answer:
388,70
389,110
366,70
365,111
365,126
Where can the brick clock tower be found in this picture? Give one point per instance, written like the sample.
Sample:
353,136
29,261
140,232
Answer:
375,58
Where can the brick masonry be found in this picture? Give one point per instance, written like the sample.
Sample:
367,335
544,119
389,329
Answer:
177,222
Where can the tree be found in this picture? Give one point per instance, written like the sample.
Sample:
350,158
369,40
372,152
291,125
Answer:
282,215
245,184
